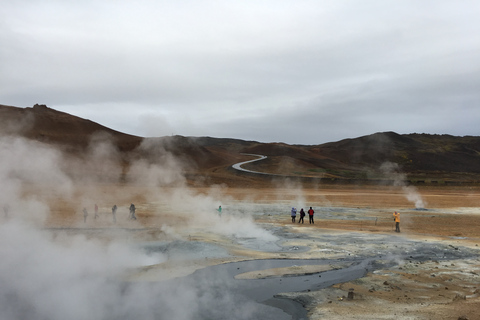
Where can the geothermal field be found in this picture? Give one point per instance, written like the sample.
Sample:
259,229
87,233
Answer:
181,258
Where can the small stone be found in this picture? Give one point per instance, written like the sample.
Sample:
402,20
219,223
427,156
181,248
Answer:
459,297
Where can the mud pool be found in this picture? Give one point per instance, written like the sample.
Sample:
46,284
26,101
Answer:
357,254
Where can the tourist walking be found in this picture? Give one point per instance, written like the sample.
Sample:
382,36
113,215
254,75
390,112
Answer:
96,211
114,213
302,215
396,218
310,215
294,214
132,212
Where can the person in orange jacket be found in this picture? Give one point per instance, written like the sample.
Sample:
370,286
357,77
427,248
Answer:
396,218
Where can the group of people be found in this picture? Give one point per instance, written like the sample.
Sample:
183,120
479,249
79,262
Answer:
131,216
302,215
396,217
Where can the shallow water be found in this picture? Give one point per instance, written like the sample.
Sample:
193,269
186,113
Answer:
223,297
184,250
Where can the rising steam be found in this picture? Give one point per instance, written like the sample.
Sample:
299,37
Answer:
57,275
392,171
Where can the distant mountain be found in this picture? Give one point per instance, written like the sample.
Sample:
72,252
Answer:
54,127
422,158
74,135
413,152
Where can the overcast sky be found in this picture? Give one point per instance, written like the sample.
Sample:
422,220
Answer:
299,72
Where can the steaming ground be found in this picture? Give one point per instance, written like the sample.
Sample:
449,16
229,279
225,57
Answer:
135,268
55,265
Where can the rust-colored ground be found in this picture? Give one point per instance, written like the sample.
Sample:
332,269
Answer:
430,290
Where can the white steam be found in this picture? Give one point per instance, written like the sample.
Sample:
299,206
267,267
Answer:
44,278
56,275
392,171
25,164
158,168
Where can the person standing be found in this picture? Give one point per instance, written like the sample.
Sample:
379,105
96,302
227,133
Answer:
114,213
132,212
310,215
302,215
219,211
96,211
294,214
85,214
396,218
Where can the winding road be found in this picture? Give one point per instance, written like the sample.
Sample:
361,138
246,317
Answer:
238,166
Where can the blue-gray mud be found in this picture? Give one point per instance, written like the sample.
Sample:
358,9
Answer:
219,295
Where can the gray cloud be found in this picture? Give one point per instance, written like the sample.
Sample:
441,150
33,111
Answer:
308,72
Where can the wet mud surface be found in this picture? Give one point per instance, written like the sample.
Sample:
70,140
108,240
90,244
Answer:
349,255
254,263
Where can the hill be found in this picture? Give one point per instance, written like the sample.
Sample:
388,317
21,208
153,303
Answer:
50,126
386,156
418,158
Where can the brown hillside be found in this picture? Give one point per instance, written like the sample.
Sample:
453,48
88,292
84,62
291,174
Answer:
422,158
74,135
437,156
54,127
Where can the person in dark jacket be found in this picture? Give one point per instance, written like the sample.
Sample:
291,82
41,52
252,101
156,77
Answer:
302,215
132,212
114,213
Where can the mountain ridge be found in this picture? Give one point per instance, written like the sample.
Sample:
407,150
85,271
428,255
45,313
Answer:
421,157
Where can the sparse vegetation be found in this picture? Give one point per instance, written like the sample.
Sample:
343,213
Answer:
434,159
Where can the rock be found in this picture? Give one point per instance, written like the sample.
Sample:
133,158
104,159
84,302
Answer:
459,297
350,294
463,318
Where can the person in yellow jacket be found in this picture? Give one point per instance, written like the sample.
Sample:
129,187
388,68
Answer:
396,218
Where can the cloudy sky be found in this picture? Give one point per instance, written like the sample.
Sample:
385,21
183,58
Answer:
300,72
